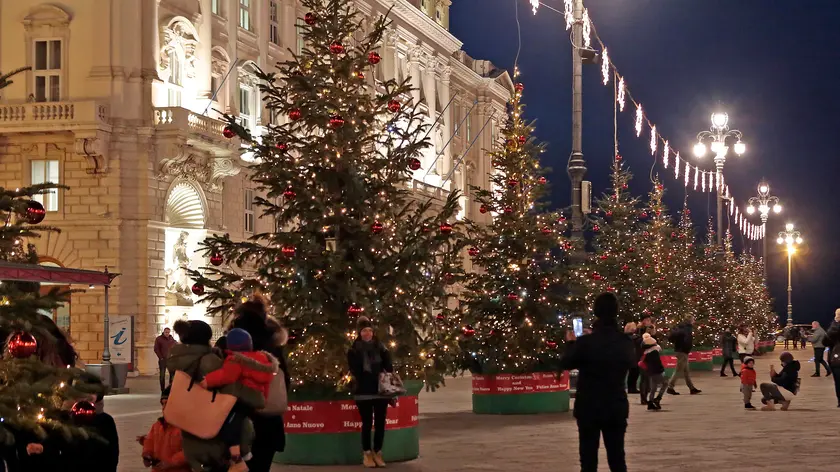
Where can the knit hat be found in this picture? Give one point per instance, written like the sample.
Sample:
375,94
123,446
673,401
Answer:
648,340
239,340
193,332
362,323
606,308
748,359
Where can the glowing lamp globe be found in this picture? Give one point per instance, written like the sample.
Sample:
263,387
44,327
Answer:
699,149
719,120
789,227
799,240
777,208
780,240
717,147
763,189
740,148
750,210
789,240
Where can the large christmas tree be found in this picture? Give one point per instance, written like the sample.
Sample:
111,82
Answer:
33,387
514,300
619,262
351,240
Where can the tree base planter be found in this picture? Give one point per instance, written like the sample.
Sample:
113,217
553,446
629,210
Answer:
524,394
326,431
717,356
669,361
701,359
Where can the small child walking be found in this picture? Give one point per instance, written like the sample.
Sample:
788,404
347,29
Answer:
651,363
251,369
162,446
748,381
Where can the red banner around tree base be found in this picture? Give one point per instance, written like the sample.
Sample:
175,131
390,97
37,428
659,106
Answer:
700,356
717,352
342,416
514,384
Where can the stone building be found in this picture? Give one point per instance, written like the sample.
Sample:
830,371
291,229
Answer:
122,106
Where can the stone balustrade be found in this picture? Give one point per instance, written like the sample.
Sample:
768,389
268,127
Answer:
34,117
182,119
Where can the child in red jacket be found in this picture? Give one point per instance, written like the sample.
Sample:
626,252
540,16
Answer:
162,449
249,368
748,381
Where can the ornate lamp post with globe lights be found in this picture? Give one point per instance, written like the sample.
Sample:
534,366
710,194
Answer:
718,134
764,202
790,238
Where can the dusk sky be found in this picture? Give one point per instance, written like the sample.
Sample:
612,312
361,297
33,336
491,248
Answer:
773,66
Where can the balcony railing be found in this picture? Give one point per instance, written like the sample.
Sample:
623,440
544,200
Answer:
177,118
52,116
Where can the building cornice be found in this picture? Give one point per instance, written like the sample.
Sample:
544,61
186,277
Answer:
411,16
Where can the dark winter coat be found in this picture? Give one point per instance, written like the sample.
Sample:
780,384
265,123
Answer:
832,339
730,346
788,376
682,339
602,359
653,361
367,383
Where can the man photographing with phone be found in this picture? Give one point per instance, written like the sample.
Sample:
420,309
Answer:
602,359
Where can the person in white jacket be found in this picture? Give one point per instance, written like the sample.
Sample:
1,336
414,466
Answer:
746,342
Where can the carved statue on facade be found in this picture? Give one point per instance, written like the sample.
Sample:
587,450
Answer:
177,281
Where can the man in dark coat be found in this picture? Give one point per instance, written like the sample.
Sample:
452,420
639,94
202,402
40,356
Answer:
601,407
683,340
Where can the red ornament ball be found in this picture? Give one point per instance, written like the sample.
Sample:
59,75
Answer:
228,132
288,251
394,106
550,344
647,266
336,121
336,47
546,230
289,193
295,114
660,187
513,183
440,317
448,278
374,58
673,234
645,234
360,75
217,259
641,292
603,257
542,180
596,276
445,228
512,297
310,18
519,87
522,139
625,267
198,289
618,157
425,228
611,288
473,251
643,214
508,210
83,411
631,249
596,228
355,310
282,147
377,227
483,209
624,186
35,212
659,300
468,331
414,163
22,345
544,283
609,213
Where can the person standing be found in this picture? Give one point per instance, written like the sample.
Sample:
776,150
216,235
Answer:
682,339
163,344
803,337
633,375
655,370
746,342
728,343
832,339
817,337
367,359
787,333
602,359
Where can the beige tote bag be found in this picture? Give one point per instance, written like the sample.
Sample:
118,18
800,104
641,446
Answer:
194,409
278,400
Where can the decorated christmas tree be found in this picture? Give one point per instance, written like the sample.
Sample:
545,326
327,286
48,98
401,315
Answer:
351,239
619,263
757,302
33,387
514,302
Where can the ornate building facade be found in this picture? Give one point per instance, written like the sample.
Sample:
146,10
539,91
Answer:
122,106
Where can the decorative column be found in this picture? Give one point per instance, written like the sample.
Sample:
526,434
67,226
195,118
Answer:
204,55
415,55
443,74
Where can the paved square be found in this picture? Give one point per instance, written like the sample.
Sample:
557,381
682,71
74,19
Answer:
700,433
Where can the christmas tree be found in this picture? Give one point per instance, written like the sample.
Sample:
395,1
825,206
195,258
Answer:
513,302
351,239
33,391
618,264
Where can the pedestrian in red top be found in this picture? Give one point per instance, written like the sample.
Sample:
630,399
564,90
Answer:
163,344
748,381
249,368
162,446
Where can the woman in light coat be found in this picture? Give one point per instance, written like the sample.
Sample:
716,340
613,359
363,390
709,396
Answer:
746,342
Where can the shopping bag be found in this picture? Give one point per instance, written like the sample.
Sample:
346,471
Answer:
390,384
194,409
277,401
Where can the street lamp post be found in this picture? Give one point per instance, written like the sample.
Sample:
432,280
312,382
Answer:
790,238
577,165
764,202
718,135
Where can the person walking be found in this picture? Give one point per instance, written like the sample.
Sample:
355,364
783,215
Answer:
602,359
817,337
368,358
682,339
728,343
163,344
832,339
746,342
803,337
633,375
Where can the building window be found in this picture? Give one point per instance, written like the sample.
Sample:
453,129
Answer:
423,6
47,71
456,118
249,210
245,14
174,81
46,172
215,7
468,126
438,16
246,108
273,22
301,43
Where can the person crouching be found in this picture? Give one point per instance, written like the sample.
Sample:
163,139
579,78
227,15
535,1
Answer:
784,384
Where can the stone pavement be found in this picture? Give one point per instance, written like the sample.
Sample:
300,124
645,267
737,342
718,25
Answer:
700,433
